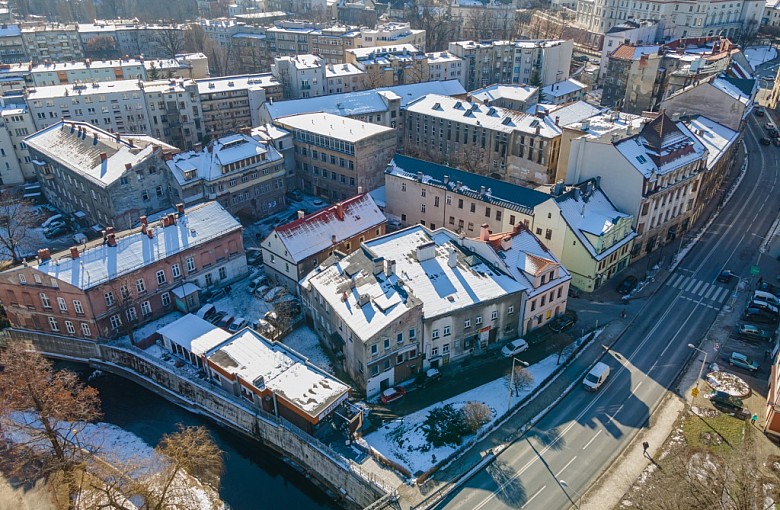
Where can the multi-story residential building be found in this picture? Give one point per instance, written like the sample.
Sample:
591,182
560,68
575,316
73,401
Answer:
230,103
16,124
305,76
336,157
52,43
519,98
598,238
386,66
113,179
489,140
330,43
634,78
633,32
654,176
446,66
676,19
563,92
293,250
12,48
343,78
174,110
244,175
249,52
290,38
391,317
420,192
149,40
735,98
108,287
516,62
281,140
391,34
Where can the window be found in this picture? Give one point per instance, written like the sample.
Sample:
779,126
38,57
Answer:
478,321
222,273
435,333
399,359
548,234
22,279
160,277
533,305
434,351
45,300
422,208
124,292
412,333
467,324
387,344
77,306
510,310
53,324
109,297
176,270
146,308
190,264
374,350
446,331
493,315
166,299
116,321
70,328
140,286
85,329
445,349
131,314
62,304
399,338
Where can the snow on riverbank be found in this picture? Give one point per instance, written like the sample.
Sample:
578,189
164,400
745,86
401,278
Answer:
404,442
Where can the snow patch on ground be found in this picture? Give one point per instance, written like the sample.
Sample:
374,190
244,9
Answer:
403,440
757,55
305,341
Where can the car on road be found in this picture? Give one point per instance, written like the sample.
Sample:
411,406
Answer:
758,316
739,360
725,276
514,348
628,285
760,112
751,332
393,394
765,140
769,125
562,322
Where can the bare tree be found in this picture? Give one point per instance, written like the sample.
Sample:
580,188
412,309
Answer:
558,342
476,414
520,381
16,223
170,40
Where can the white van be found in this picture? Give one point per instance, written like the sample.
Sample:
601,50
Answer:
52,219
766,296
596,377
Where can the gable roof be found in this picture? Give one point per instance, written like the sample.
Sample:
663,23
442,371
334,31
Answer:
661,132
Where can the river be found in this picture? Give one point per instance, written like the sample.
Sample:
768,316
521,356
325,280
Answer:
254,477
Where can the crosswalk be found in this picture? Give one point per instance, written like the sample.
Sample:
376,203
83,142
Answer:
709,294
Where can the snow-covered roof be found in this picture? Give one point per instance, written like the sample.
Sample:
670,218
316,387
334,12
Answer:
228,83
362,102
340,70
715,137
10,31
575,111
442,57
268,132
728,86
304,61
194,334
78,146
314,233
482,116
608,123
501,91
373,51
563,88
588,211
334,126
80,89
98,263
265,364
208,164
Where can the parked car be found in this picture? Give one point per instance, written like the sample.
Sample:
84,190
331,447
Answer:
758,316
260,281
79,238
739,360
318,202
53,219
763,306
760,112
393,394
261,291
751,332
295,195
769,125
254,256
217,317
55,232
628,284
765,140
206,312
226,321
562,322
514,348
768,287
274,293
729,404
432,374
573,292
237,324
725,276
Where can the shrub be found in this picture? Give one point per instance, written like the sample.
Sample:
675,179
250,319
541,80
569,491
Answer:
476,414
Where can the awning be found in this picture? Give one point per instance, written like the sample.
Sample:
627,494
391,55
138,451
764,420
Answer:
180,291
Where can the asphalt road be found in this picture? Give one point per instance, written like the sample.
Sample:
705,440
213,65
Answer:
581,436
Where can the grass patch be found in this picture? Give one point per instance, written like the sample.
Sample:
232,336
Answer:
721,433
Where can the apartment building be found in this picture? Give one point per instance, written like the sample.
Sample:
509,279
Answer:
386,66
112,179
246,176
295,249
16,124
289,38
52,43
519,98
632,32
445,66
542,62
306,76
109,287
563,92
230,103
391,317
654,175
735,98
488,140
337,156
634,79
12,48
391,34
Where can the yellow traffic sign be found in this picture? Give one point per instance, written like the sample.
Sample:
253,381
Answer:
695,392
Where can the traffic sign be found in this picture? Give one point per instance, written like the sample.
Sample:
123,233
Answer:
755,270
695,392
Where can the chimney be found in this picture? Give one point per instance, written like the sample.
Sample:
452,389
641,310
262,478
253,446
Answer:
166,221
109,230
340,211
118,138
103,156
150,233
557,120
171,219
379,265
484,232
506,243
128,166
197,147
482,191
538,129
180,209
360,190
389,267
143,220
419,176
74,252
111,239
333,239
301,214
44,255
452,258
446,179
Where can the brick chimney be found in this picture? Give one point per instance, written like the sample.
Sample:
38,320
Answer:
128,166
111,239
180,209
171,219
484,232
340,211
144,224
103,156
74,252
44,254
506,243
150,233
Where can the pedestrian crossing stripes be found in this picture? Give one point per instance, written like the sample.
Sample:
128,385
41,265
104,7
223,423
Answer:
698,290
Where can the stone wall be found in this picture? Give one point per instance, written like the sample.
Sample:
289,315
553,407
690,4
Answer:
314,458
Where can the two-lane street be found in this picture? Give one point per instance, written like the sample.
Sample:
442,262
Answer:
582,435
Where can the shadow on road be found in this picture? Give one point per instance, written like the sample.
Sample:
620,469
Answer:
510,489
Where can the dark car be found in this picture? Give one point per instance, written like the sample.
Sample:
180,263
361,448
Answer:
56,232
765,140
725,276
563,322
217,317
758,316
728,404
760,112
768,287
574,292
751,332
628,284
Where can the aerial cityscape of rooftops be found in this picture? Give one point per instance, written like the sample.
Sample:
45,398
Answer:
424,254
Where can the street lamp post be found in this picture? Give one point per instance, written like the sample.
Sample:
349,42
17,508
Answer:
701,369
512,381
579,496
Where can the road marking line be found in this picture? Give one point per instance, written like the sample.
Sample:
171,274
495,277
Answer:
703,289
611,418
721,298
707,295
593,439
637,387
564,467
532,497
674,279
690,284
695,290
681,282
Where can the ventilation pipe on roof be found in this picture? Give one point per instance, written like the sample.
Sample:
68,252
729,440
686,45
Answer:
452,258
128,166
333,238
